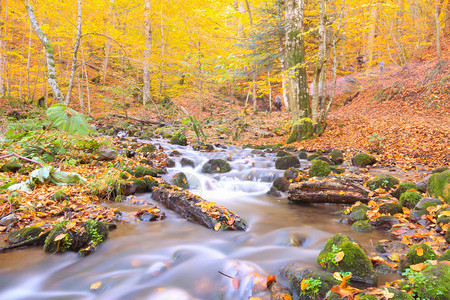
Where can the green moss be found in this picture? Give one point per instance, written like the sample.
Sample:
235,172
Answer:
319,168
11,167
150,183
357,215
404,187
430,283
123,175
362,226
180,180
439,170
313,156
303,155
286,162
447,236
439,185
59,196
367,297
383,181
410,199
20,235
140,184
179,139
216,166
445,256
390,208
147,149
355,260
337,156
363,160
141,171
413,258
291,173
361,206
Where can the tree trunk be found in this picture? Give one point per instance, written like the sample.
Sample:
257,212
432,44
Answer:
371,37
147,52
438,31
49,54
295,61
255,106
74,56
270,90
2,58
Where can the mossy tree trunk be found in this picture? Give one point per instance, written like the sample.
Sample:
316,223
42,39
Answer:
295,61
49,54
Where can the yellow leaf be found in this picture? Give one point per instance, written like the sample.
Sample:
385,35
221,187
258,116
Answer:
337,276
394,257
339,256
71,225
60,237
419,251
303,284
418,267
405,210
96,285
387,294
217,226
445,213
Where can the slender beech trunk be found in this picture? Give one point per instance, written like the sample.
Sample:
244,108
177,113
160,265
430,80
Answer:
255,106
28,66
163,50
107,46
371,34
49,52
147,51
2,56
438,31
74,56
270,90
282,61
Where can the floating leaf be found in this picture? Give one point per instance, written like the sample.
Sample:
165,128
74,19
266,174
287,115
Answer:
96,285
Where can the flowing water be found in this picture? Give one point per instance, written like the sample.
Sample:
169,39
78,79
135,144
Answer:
176,259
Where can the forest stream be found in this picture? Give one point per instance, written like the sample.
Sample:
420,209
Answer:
177,259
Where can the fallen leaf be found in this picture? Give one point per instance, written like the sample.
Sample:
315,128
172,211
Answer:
419,251
270,280
339,256
304,284
236,282
394,257
418,267
217,226
60,237
96,285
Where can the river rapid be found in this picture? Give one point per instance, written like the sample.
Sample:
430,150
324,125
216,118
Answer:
177,259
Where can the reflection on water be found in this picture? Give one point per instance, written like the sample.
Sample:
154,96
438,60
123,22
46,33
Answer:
176,259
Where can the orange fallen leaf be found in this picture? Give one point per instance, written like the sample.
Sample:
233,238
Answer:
270,279
96,285
304,284
419,251
418,267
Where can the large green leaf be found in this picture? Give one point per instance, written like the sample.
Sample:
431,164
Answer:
68,120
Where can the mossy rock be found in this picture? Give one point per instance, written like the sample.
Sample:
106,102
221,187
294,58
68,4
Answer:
147,149
180,180
61,240
431,283
410,199
424,203
337,156
355,260
413,258
421,186
319,168
404,187
24,234
390,208
198,146
273,192
150,183
303,155
443,218
11,167
281,184
384,222
445,256
337,170
313,156
362,226
357,215
363,160
361,206
140,184
170,163
295,273
59,196
386,182
186,162
367,297
439,185
216,166
326,159
282,153
399,294
179,139
147,162
141,171
286,162
439,170
447,236
291,174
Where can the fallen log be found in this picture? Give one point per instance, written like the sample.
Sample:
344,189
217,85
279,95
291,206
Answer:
195,209
327,192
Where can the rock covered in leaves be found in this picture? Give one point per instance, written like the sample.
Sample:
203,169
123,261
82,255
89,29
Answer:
390,208
216,166
439,185
106,154
342,254
363,160
150,214
419,253
286,162
319,168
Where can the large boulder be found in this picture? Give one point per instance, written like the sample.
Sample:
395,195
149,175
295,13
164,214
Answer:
363,160
410,199
24,234
286,162
390,208
342,254
179,139
281,184
419,253
216,166
319,168
439,185
180,180
106,154
186,162
404,187
386,182
337,156
430,283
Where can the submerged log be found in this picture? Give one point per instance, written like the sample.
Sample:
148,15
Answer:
195,209
327,192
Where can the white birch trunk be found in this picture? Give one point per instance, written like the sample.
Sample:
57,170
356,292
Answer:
147,51
49,54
